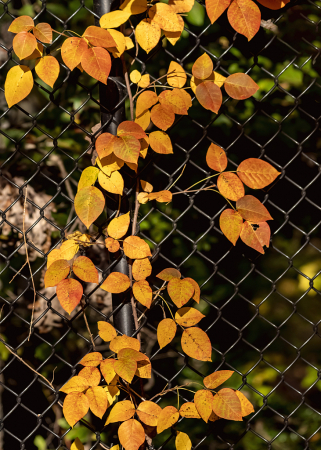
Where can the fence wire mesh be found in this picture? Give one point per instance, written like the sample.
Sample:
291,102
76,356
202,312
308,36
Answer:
262,312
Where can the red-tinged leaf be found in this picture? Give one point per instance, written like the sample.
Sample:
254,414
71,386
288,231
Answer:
126,369
256,173
197,291
162,116
203,67
216,158
106,331
227,405
91,375
47,69
230,186
143,293
127,148
89,204
182,441
116,283
72,51
167,418
148,412
263,233
18,84
57,272
141,269
75,384
135,247
98,37
203,400
96,62
98,402
231,224
196,344
92,359
43,32
105,144
22,23
112,245
131,434
216,378
180,291
145,100
274,4
187,317
245,17
160,142
122,411
166,331
131,128
246,405
69,293
215,8
251,209
84,268
169,274
176,99
107,369
240,86
120,342
76,406
209,95
161,196
251,238
189,411
24,44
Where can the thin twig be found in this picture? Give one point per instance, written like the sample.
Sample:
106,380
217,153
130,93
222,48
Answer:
14,276
169,390
136,43
129,91
153,82
87,324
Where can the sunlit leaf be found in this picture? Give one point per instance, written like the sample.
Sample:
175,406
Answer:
135,76
178,100
127,147
203,400
116,283
76,406
112,245
189,411
230,186
126,368
144,82
107,369
113,183
176,75
168,274
245,17
180,291
214,77
135,247
105,144
120,40
109,164
167,418
160,142
182,441
216,378
143,293
202,67
77,445
240,86
256,173
134,6
148,412
67,251
98,37
118,227
88,177
122,411
72,51
256,238
144,121
69,293
96,62
162,116
92,359
246,405
231,224
114,19
196,343
22,23
57,272
187,317
131,434
75,384
165,17
181,6
131,128
173,36
145,100
148,34
24,44
215,8
37,53
161,196
251,209
141,269
166,331
216,158
43,32
209,95
227,405
91,375
84,268
147,187
98,402
124,341
89,204
144,368
18,84
197,291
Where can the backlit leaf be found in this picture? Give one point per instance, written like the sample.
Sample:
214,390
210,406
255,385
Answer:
144,82
105,144
231,224
181,6
187,317
69,293
37,53
166,331
167,418
197,291
180,291
77,445
246,405
216,378
173,36
113,184
18,85
127,147
176,99
165,17
196,343
245,17
143,293
144,368
43,32
114,19
131,128
147,187
162,116
256,173
107,369
168,274
98,37
209,95
203,400
145,100
216,158
176,75
161,196
124,341
47,69
112,245
72,51
189,411
240,86
89,204
122,411
75,384
182,441
24,44
22,23
135,247
120,40
148,34
116,283
141,269
135,76
118,227
148,412
230,186
84,268
109,164
91,375
131,434
215,8
98,402
251,209
88,177
227,405
96,62
256,238
203,67
126,369
134,6
57,272
214,77
160,142
274,4
92,359
76,406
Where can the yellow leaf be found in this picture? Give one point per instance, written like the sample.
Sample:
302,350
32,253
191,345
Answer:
135,76
148,34
196,344
182,441
114,19
24,44
18,84
98,402
22,23
161,196
203,400
168,274
113,184
135,247
124,341
84,269
187,317
88,177
176,76
142,197
173,36
180,291
160,142
197,291
43,32
166,331
181,6
37,53
148,412
107,369
76,406
58,271
120,40
141,269
92,359
116,283
128,43
134,6
77,445
122,411
131,434
189,411
106,331
143,293
109,164
75,384
167,418
89,204
227,405
143,120
118,227
144,82
216,378
91,375
246,405
145,100
165,16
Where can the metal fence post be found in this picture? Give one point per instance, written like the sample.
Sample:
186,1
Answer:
110,96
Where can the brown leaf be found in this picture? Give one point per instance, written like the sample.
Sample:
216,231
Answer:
24,44
84,268
272,4
148,412
76,406
189,411
143,293
203,400
166,331
107,369
18,84
167,418
75,384
98,402
118,227
72,51
187,317
231,224
98,37
141,269
135,247
112,245
256,238
92,359
197,291
230,186
124,341
116,283
246,405
57,272
122,411
180,291
251,209
209,95
106,331
131,434
215,8
203,67
89,204
216,378
256,173
245,17
227,405
196,343
22,23
168,274
240,86
216,158
91,375
69,293
96,62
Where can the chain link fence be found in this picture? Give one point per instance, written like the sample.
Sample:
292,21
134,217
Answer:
262,312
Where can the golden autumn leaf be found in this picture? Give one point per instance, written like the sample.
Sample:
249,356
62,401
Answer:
189,411
122,411
165,16
145,100
256,238
114,19
67,251
135,76
167,418
37,53
144,368
116,283
113,183
92,359
120,342
96,62
148,34
72,51
118,227
203,400
18,84
107,369
76,406
75,384
77,445
245,17
246,405
187,317
141,269
230,186
106,331
24,44
43,32
182,441
214,77
197,291
209,95
196,344
147,187
178,99
252,209
180,291
181,6
142,198
215,8
144,121
148,412
69,293
161,196
176,75
134,6
231,224
202,67
104,145
57,272
274,4
131,434
216,158
22,23
173,36
135,247
144,82
131,128
240,86
160,142
98,402
216,378
256,173
112,245
98,37
91,375
84,268
131,354
168,274
227,405
127,147
88,177
166,331
112,390
120,40
162,116
89,204
143,293
109,164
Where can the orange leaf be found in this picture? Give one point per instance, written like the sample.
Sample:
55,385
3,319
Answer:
144,368
84,268
126,369
182,441
112,245
107,369
177,99
96,62
189,411
168,274
203,67
209,95
167,418
91,375
92,359
131,434
196,343
216,158
104,144
165,17
245,17
124,341
215,77
215,8
145,100
176,76
246,405
227,405
98,402
231,224
43,32
230,186
135,247
37,53
18,84
143,120
127,147
143,293
203,401
148,34
131,128
197,291
251,209
148,412
47,69
181,6
162,116
69,293
256,173
180,291
116,283
72,51
75,384
161,196
141,269
166,331
256,238
89,204
76,406
240,86
106,331
216,378
22,23
160,142
118,227
99,37
24,44
122,411
272,4
57,272
187,317
131,354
